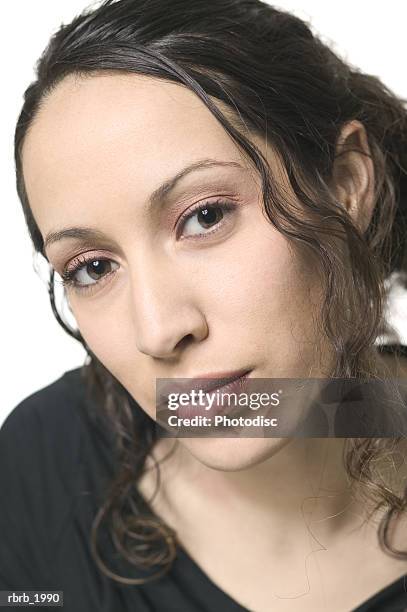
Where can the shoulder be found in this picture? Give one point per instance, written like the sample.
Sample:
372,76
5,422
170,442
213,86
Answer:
56,460
61,392
52,430
45,425
42,444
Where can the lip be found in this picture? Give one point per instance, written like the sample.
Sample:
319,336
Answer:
233,384
206,382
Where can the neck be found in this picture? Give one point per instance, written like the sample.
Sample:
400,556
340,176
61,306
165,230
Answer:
299,486
303,487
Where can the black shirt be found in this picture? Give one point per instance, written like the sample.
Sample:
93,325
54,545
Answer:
55,463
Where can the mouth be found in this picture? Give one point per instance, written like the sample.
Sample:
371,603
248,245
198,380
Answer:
205,382
214,381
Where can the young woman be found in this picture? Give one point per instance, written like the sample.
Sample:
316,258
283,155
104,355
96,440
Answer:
220,195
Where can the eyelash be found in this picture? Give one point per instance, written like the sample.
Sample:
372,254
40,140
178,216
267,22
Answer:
68,274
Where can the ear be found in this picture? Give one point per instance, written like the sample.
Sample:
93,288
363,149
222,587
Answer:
353,173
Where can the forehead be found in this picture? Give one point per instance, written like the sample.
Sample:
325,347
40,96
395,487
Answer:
110,105
113,130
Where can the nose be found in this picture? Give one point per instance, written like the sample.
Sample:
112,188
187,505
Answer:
165,312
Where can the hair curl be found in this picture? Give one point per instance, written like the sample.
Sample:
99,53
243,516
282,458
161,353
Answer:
281,82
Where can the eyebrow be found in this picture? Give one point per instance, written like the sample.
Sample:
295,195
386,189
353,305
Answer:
156,198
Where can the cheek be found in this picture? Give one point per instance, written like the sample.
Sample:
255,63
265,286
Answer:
110,335
264,299
105,332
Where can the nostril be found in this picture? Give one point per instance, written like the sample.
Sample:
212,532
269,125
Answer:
184,341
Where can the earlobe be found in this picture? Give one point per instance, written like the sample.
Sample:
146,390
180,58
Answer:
353,173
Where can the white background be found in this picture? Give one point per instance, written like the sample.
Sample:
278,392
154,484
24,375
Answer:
35,349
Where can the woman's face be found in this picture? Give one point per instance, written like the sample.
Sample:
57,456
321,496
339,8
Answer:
176,297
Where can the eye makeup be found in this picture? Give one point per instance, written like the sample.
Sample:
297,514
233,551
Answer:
84,262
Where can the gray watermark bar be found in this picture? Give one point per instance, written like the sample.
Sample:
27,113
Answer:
282,407
31,598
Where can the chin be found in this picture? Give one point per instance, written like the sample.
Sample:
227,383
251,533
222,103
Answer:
233,454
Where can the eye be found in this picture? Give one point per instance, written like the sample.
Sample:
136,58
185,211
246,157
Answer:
83,268
208,215
205,216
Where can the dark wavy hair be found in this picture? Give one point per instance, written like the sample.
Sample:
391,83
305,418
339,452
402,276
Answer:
279,81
